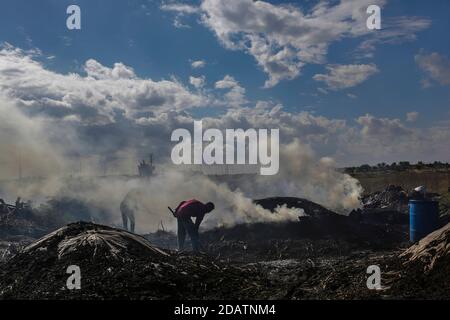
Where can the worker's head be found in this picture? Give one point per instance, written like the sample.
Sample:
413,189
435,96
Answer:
209,207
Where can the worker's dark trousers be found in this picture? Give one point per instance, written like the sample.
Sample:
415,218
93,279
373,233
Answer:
125,218
186,225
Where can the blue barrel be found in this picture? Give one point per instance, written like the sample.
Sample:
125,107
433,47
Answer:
423,218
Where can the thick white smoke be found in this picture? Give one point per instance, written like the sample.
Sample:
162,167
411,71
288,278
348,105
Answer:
300,175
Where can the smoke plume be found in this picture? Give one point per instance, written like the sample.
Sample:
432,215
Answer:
35,145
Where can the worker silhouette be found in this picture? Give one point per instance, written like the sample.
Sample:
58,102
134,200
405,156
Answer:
184,213
129,207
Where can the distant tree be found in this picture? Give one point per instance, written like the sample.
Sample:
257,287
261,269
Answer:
420,165
365,168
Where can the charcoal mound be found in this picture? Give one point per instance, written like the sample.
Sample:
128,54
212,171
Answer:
116,264
83,239
319,223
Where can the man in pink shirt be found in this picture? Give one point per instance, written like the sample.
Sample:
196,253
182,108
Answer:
184,212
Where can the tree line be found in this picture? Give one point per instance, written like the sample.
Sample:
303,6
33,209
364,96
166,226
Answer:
398,166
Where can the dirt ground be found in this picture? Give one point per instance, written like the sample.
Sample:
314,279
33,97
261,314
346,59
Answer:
321,256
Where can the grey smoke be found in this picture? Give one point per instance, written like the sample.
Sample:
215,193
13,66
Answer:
301,174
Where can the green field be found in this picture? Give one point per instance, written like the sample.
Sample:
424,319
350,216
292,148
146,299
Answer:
435,181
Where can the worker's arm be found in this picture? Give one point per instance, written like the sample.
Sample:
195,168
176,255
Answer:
198,220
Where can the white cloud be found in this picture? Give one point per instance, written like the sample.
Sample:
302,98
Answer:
435,66
382,127
412,116
97,71
391,140
395,30
112,112
227,82
96,97
177,23
198,64
236,95
322,90
346,76
197,82
283,38
179,8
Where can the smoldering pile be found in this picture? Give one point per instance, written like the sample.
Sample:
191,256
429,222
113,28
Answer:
117,264
390,206
393,197
318,232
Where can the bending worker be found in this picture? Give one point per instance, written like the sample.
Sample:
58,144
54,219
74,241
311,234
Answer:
184,212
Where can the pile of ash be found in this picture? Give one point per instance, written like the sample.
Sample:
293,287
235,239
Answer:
117,264
393,197
387,207
390,206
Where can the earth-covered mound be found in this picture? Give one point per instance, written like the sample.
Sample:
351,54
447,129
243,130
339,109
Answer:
118,264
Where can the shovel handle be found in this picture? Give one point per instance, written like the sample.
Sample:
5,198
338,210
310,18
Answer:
171,210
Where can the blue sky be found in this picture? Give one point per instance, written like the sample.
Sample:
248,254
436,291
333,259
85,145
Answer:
142,35
145,38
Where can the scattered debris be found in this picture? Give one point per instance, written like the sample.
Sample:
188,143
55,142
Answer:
55,213
393,197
